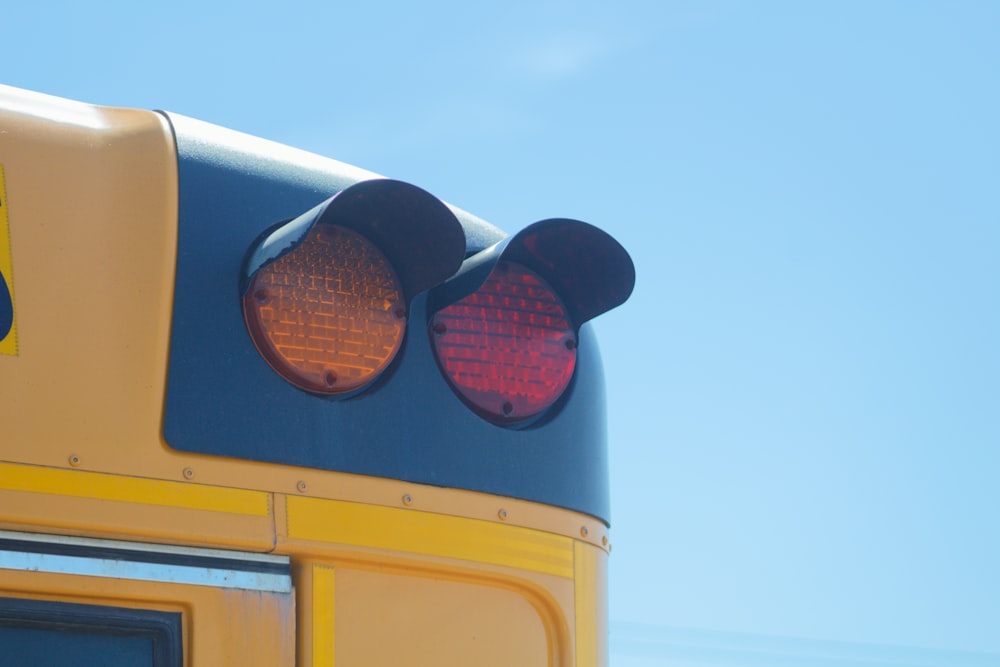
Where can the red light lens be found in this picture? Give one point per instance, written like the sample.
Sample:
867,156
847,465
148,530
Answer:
508,349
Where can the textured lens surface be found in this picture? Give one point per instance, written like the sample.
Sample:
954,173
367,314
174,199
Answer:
509,348
328,316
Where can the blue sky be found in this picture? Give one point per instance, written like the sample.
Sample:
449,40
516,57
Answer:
804,401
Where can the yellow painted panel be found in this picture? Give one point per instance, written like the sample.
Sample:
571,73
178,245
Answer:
392,619
73,515
429,534
591,605
323,619
8,327
133,490
92,228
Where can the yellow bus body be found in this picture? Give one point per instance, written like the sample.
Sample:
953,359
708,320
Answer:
383,572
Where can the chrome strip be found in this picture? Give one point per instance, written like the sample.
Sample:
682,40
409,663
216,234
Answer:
147,568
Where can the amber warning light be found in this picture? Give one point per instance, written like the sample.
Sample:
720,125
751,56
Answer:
323,303
330,316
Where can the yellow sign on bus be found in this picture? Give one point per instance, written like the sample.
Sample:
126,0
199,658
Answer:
8,323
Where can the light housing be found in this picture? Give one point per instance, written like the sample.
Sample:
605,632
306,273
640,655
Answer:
505,328
326,295
508,348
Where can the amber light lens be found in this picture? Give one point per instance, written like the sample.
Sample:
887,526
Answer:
508,349
329,316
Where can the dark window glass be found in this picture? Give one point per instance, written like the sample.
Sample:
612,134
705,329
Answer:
55,634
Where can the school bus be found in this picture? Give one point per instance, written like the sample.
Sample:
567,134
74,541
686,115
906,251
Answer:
260,407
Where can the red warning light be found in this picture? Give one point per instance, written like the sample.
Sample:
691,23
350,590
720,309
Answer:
508,349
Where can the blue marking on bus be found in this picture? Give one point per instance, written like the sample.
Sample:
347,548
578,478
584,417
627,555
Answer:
6,308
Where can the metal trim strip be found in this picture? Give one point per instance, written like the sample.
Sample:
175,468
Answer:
144,562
